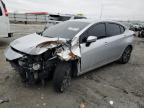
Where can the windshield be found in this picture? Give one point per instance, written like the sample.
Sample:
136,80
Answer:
66,29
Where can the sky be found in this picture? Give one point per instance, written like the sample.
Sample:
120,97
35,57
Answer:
105,9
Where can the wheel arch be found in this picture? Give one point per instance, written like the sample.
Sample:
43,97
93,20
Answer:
131,46
75,68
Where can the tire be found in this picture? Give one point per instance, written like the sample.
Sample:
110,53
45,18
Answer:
62,77
142,34
125,56
23,76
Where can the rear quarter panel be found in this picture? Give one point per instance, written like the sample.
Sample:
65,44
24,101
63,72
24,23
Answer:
127,39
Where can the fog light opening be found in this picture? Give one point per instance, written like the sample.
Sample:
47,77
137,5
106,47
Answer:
36,66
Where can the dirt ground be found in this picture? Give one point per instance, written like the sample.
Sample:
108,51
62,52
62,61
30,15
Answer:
122,85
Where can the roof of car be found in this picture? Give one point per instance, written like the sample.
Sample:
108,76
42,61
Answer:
96,21
86,20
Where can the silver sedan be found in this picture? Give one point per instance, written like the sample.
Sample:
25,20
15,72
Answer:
69,49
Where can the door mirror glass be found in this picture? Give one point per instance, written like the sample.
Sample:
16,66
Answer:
91,39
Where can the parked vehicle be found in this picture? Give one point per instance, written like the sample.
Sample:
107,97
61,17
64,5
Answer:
57,18
142,33
69,49
4,21
139,29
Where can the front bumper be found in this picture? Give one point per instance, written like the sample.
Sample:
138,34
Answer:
28,75
24,65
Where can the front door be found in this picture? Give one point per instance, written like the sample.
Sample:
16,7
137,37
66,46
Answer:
93,55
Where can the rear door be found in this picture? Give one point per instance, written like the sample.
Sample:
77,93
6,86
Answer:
4,21
114,42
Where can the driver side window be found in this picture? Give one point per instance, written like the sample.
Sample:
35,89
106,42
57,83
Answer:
98,30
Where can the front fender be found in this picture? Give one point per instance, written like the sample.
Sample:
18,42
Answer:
11,55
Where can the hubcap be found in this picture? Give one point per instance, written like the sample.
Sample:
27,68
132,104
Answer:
127,55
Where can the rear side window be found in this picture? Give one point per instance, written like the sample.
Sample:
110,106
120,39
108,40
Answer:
98,30
112,29
0,11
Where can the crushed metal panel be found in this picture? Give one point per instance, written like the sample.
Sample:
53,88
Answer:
37,44
41,44
50,44
73,53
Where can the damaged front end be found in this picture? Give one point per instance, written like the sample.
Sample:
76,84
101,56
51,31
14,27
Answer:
37,61
33,68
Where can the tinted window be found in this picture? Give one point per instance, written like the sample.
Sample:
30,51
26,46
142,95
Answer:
64,18
98,30
79,18
59,18
113,29
0,11
83,37
66,29
122,29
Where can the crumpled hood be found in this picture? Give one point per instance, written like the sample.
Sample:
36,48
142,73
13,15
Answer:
35,44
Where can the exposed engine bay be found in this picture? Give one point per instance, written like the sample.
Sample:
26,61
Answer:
38,61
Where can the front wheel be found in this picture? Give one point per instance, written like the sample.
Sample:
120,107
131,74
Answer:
62,77
125,56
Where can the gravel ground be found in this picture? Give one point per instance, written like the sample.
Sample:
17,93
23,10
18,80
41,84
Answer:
120,85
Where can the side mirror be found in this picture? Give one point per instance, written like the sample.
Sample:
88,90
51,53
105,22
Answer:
91,39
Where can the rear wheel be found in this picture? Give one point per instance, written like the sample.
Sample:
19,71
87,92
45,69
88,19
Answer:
62,77
126,55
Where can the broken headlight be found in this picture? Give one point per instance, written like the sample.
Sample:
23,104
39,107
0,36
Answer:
29,62
22,61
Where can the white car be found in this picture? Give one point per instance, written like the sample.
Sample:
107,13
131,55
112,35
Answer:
4,21
68,49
